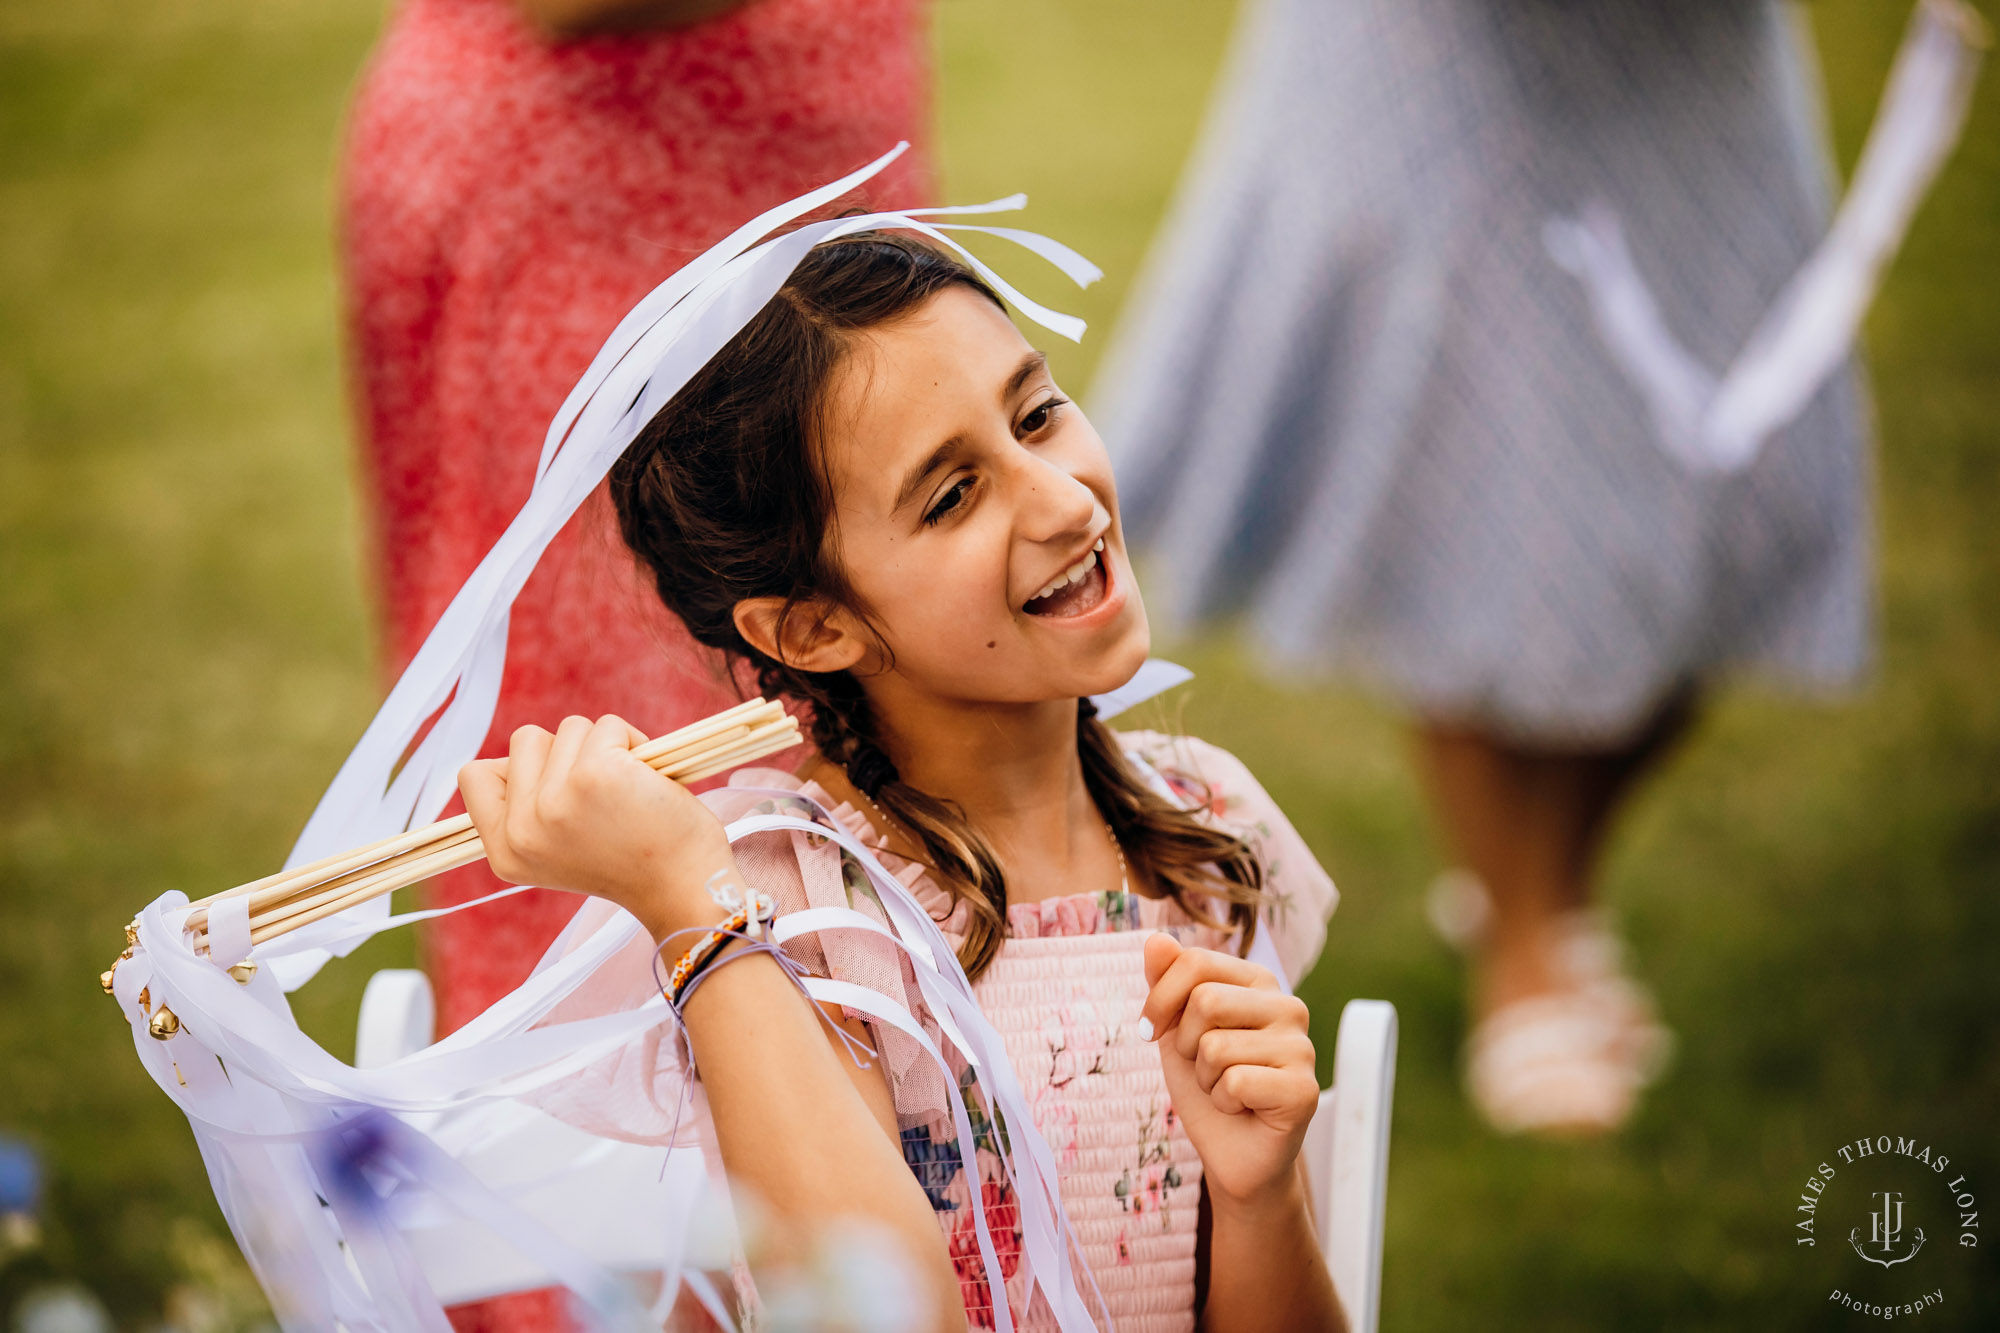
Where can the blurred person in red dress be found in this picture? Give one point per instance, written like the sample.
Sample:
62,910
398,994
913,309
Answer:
518,173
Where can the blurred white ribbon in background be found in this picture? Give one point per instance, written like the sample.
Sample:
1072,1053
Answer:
1719,423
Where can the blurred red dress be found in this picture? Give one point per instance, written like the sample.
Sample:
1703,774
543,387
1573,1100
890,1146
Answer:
506,199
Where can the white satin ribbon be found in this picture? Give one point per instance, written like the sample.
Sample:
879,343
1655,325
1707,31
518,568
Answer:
269,1107
229,932
1155,677
1031,1167
1719,423
263,1099
392,781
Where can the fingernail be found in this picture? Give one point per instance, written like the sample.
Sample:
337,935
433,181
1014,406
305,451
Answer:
1145,1029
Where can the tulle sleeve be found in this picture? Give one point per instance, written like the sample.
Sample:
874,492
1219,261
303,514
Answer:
1215,784
639,1092
800,871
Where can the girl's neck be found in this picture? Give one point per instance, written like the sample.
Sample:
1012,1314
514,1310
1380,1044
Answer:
1004,764
1015,771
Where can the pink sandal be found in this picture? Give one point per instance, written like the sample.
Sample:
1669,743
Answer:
1573,1061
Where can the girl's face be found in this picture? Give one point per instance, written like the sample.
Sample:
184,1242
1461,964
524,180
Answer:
975,515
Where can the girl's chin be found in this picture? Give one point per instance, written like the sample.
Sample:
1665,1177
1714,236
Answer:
1111,662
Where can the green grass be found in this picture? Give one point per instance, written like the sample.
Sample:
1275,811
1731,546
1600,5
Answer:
185,654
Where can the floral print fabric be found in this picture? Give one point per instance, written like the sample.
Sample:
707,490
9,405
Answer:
1064,992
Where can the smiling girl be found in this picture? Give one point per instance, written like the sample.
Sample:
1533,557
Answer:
878,499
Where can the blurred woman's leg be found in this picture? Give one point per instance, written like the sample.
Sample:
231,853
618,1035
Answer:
1531,825
1562,1041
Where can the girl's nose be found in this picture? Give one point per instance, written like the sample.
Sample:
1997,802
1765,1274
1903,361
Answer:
1055,504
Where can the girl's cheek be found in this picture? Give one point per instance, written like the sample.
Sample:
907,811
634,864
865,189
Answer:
940,600
965,580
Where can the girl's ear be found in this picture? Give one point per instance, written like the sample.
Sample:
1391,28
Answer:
813,637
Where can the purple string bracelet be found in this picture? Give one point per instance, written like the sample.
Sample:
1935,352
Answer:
794,971
859,1051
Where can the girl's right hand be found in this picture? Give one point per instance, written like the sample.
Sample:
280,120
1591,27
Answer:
576,810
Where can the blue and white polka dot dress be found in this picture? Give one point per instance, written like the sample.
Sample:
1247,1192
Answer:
1356,403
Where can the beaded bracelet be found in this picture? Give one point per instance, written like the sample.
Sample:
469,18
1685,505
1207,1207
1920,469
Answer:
740,925
679,989
752,910
703,953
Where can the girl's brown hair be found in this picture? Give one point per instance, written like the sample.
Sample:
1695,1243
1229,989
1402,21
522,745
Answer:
725,496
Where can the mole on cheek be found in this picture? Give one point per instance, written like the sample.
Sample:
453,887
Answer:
992,643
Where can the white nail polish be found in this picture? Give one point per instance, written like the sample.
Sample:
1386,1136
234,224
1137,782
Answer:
1145,1029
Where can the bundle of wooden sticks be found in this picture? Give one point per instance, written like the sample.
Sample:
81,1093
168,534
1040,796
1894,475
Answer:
291,899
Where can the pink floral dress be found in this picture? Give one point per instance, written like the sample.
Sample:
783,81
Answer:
1064,992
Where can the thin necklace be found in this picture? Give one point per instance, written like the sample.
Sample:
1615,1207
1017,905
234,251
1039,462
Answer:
1124,885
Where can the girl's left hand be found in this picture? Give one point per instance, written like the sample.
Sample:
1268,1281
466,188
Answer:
1238,1064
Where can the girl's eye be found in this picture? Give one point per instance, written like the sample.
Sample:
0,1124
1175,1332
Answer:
1045,412
949,501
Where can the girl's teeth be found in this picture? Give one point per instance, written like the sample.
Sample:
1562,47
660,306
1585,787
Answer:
1073,573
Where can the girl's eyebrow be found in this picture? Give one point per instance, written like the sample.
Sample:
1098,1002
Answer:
1030,363
914,480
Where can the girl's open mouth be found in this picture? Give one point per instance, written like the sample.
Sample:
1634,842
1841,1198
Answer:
1080,594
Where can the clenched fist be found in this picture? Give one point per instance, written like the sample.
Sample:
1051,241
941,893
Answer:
577,810
1238,1064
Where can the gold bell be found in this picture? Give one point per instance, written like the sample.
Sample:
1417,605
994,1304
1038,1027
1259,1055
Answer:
108,978
244,970
164,1023
132,932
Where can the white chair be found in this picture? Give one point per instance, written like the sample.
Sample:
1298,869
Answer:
575,1184
1346,1154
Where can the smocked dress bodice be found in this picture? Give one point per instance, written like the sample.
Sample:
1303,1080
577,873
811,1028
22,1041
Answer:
1064,992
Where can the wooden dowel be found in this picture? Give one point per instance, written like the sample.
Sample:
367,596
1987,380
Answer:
686,761
344,869
666,760
737,756
328,866
315,894
284,883
742,713
404,873
413,872
282,902
420,861
319,872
